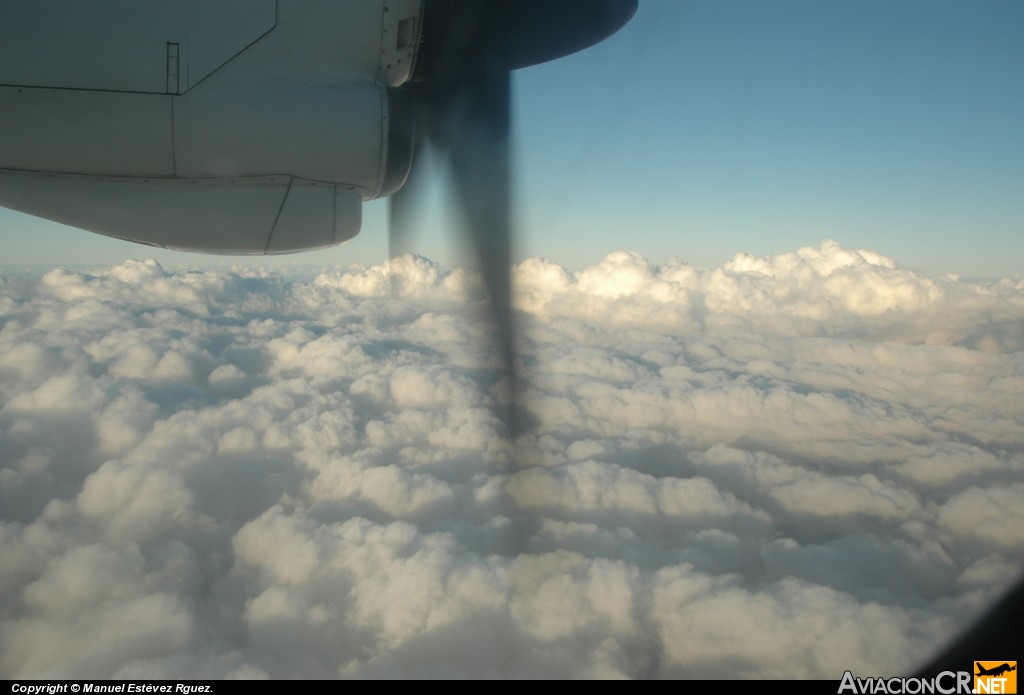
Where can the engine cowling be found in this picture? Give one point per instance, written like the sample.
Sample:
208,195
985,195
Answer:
269,125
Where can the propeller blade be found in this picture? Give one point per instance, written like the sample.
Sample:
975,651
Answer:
464,108
402,212
462,99
477,134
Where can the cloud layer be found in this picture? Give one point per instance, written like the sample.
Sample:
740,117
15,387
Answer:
783,467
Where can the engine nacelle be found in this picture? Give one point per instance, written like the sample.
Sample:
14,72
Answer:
238,126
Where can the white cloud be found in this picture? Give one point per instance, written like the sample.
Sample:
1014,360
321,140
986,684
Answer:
783,467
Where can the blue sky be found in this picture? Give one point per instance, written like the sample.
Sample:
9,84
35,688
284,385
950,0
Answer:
706,128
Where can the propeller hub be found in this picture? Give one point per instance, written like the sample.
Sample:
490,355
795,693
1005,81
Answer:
502,36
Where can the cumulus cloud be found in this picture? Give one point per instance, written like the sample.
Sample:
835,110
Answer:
782,467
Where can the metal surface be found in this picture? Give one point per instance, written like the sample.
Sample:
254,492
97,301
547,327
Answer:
272,214
122,45
140,108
